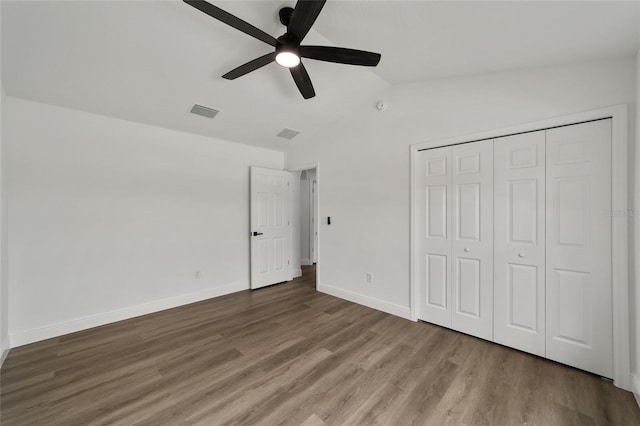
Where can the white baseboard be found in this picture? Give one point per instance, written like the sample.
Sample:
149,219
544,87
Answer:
306,262
635,384
371,302
297,273
65,327
4,350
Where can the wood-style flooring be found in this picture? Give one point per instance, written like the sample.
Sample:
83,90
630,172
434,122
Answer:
289,355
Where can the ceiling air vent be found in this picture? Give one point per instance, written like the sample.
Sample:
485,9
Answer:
288,134
204,111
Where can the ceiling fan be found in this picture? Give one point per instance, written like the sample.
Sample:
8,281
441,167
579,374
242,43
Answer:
288,51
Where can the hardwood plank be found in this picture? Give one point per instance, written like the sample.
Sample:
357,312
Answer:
313,420
288,355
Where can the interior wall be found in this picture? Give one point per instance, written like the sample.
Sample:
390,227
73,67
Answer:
110,219
4,287
294,198
635,299
366,167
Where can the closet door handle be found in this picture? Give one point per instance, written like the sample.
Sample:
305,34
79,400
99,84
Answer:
520,254
255,234
467,250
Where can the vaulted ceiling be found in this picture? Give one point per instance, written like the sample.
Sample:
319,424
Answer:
150,61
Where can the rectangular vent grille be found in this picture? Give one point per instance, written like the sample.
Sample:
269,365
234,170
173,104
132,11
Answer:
288,134
204,111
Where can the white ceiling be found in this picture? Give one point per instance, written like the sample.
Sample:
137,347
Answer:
149,61
445,39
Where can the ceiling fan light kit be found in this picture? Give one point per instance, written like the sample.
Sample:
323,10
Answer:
287,59
287,54
288,51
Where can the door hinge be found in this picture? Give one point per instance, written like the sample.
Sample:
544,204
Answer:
288,262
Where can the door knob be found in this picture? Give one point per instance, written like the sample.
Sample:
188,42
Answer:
520,254
255,234
467,250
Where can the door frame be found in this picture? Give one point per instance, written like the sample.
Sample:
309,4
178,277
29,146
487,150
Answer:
316,166
619,226
313,241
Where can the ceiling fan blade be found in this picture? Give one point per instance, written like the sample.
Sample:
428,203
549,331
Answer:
304,15
340,55
250,66
301,77
233,21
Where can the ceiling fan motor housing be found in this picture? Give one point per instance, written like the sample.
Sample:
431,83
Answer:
285,15
287,43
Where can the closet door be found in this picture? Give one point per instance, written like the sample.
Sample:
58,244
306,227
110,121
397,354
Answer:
519,242
434,235
472,245
579,313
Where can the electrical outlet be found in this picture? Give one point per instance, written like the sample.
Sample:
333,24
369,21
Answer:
197,275
369,278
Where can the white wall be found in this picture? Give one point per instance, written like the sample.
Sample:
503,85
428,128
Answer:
110,218
635,300
294,191
365,160
4,287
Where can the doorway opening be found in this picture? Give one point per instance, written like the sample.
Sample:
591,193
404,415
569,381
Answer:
308,221
308,231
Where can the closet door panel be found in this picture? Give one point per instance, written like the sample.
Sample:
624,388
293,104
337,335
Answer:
434,235
579,312
472,248
519,242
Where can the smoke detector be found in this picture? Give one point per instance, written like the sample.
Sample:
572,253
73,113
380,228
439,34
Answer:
382,105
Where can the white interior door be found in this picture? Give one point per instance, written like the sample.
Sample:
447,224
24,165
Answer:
270,227
472,242
579,313
519,242
434,235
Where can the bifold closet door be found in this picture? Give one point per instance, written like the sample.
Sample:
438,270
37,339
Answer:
579,313
455,207
472,238
434,235
519,242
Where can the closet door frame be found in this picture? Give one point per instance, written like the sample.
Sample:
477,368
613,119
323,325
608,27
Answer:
620,218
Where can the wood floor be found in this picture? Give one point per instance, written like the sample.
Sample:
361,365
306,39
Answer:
289,355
